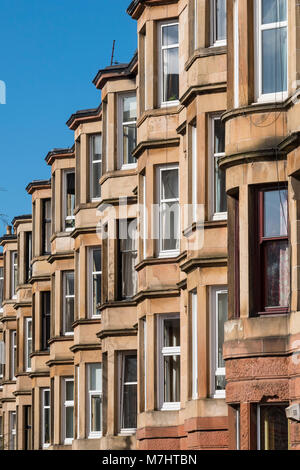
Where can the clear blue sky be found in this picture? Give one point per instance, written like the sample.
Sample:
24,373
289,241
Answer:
50,52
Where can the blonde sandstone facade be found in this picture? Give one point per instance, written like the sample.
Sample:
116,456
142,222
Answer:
151,301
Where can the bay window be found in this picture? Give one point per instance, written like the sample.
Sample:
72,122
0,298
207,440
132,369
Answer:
128,392
67,410
94,374
218,22
69,202
169,362
168,202
218,175
272,53
168,40
95,165
218,317
272,272
94,281
68,302
28,343
127,129
45,421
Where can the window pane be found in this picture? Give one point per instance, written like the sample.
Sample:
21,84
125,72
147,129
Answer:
277,274
222,318
70,197
130,369
220,188
170,35
96,188
47,398
273,11
129,406
95,377
169,184
129,276
69,422
97,147
96,413
69,390
274,60
171,378
69,314
273,428
96,293
275,213
129,109
96,260
170,74
220,20
129,143
219,136
172,332
169,232
70,283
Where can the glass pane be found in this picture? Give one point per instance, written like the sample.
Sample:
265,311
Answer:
169,230
69,314
69,390
96,292
96,147
70,283
96,260
96,188
129,274
220,188
273,428
69,422
96,413
171,332
220,20
169,184
129,143
171,378
127,234
47,242
219,136
273,11
170,35
47,209
129,108
274,60
220,382
275,213
170,74
277,274
130,368
95,377
47,398
129,407
47,426
70,194
222,318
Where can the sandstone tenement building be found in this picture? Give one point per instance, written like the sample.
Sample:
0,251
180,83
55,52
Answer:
152,298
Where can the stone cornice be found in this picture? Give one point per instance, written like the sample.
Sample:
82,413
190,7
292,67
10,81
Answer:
85,347
155,261
155,144
207,262
59,256
193,91
251,156
157,293
123,332
205,52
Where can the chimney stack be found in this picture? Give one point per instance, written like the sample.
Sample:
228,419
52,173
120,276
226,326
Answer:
8,230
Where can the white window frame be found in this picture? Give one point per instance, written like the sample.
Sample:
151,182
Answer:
66,404
27,340
166,253
90,394
258,28
67,217
2,279
14,273
121,356
194,323
90,280
163,352
12,430
13,354
121,124
214,215
213,21
94,162
160,26
65,297
215,291
44,407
